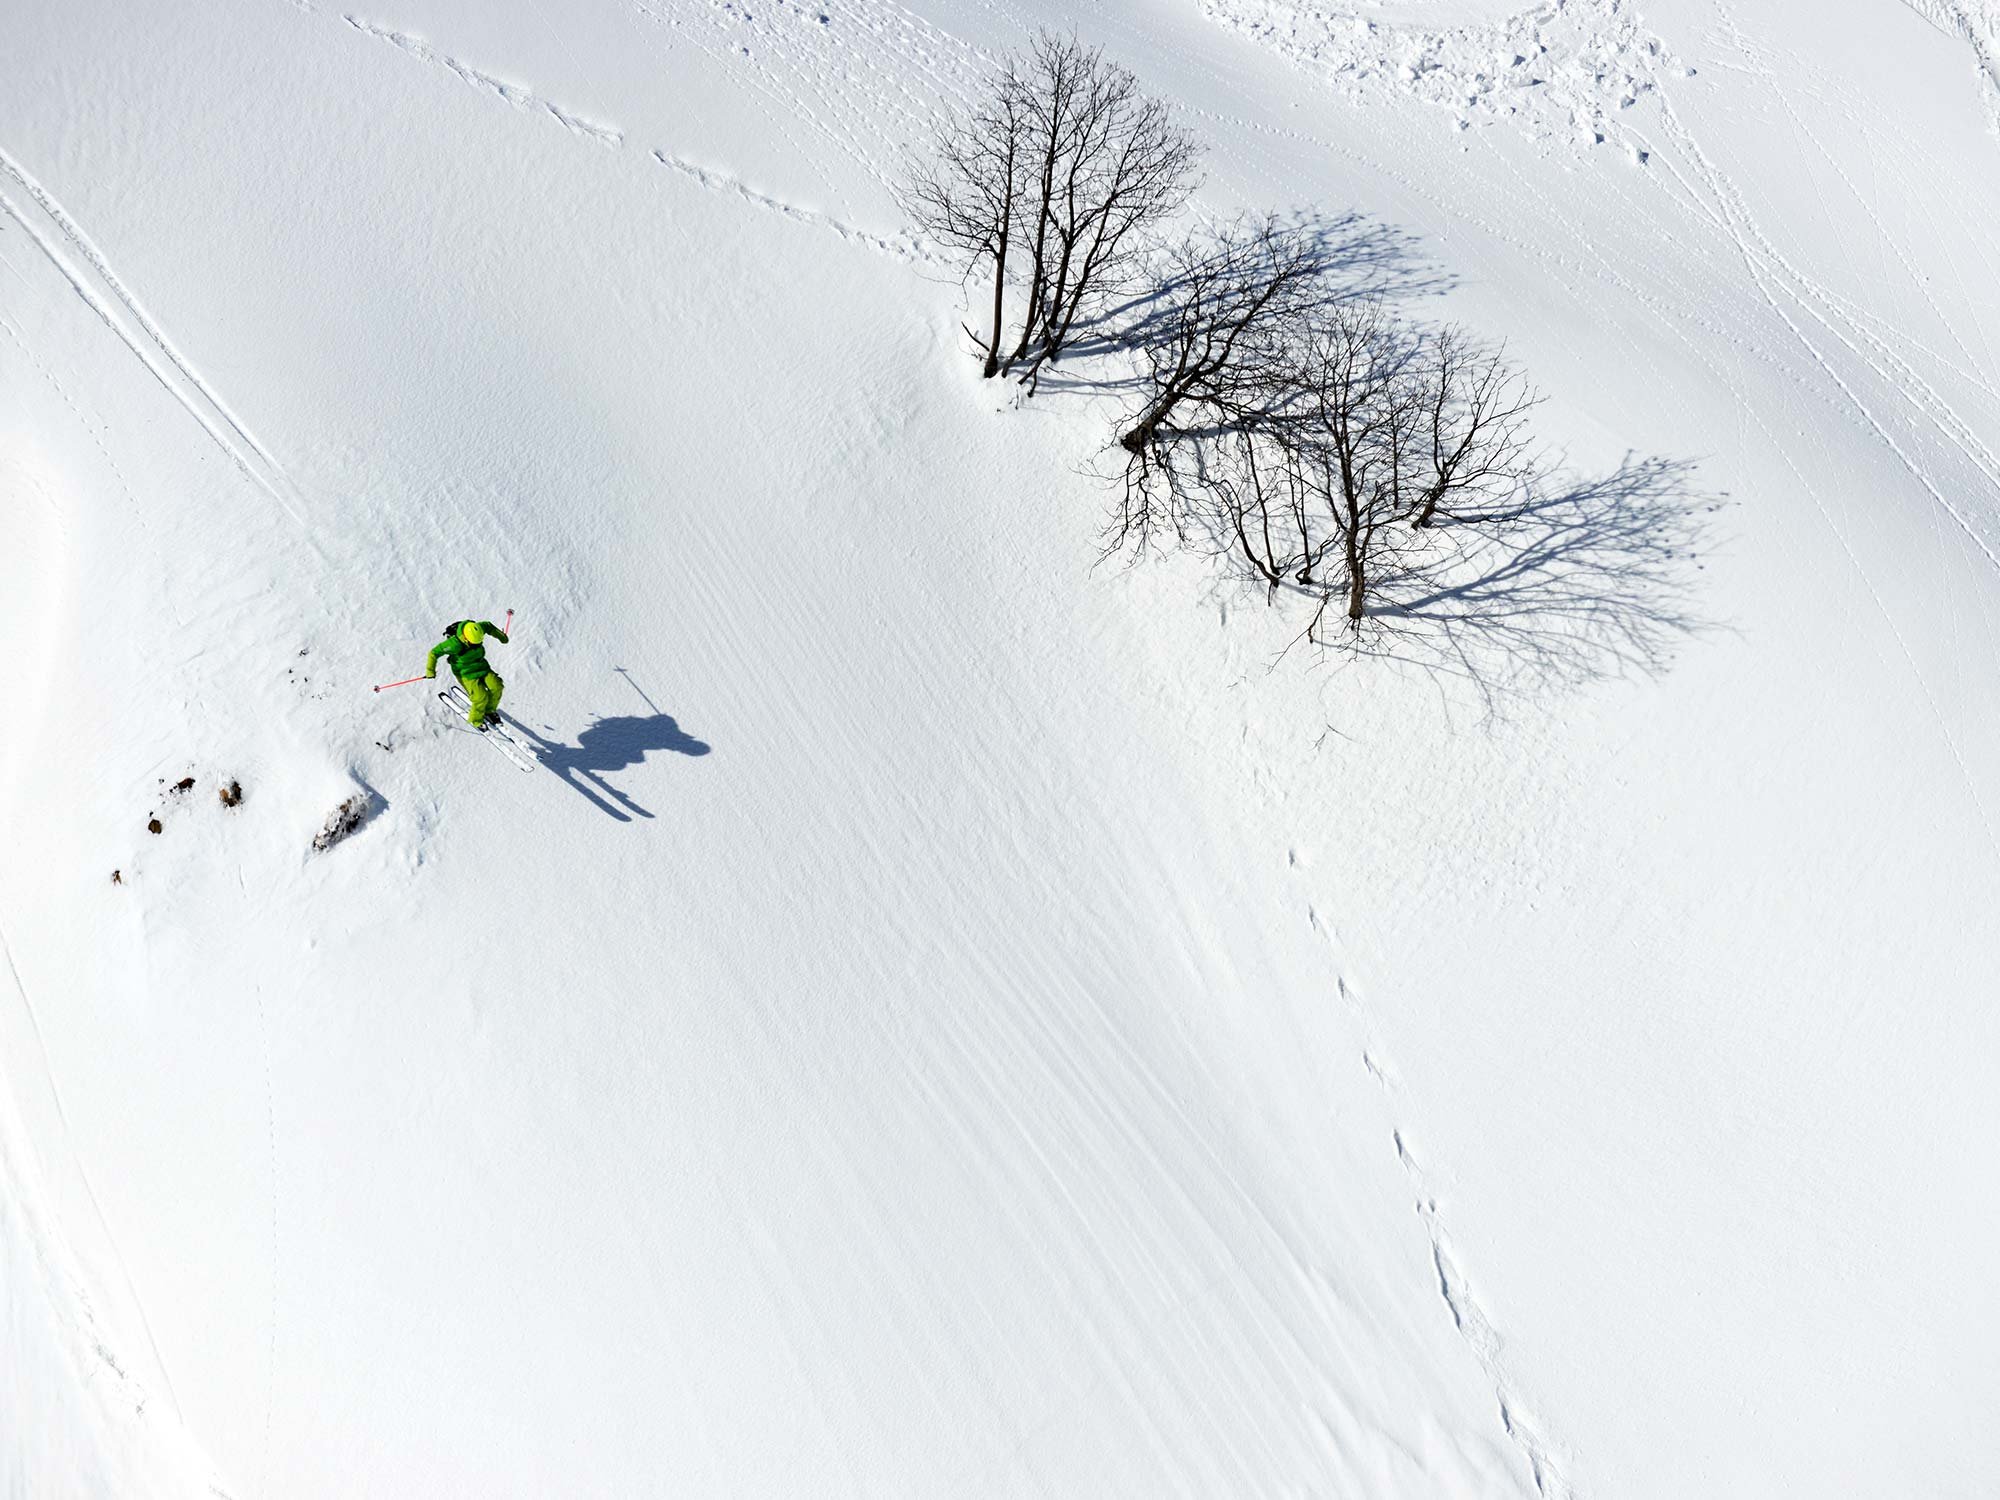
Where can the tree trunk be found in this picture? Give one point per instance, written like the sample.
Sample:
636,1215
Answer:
1357,569
1037,282
1147,427
999,296
1031,319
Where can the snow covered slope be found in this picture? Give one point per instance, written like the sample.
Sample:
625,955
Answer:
946,1020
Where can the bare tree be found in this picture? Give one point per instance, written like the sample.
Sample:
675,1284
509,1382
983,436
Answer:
1313,487
1056,179
1332,446
1213,360
968,197
1361,388
1474,425
1050,80
1365,469
1224,296
1119,166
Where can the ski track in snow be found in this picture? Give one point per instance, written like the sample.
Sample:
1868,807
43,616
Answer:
1772,273
1677,322
86,1320
1715,199
1467,1316
107,296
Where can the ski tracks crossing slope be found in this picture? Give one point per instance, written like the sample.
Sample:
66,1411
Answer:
62,240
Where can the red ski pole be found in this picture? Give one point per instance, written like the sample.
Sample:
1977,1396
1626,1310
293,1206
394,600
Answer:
508,628
404,683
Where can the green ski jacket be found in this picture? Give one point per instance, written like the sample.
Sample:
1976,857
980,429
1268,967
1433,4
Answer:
468,663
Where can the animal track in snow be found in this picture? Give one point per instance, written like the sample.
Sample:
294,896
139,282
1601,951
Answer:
901,247
861,77
1480,1336
1467,1316
514,94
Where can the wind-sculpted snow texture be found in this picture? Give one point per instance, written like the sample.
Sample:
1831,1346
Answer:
939,1017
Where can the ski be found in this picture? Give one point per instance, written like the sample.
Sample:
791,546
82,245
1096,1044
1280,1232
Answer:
457,705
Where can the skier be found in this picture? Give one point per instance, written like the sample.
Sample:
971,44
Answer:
463,646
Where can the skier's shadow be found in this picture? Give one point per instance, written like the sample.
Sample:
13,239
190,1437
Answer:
613,744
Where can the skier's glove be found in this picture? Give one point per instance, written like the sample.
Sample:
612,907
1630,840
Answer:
432,672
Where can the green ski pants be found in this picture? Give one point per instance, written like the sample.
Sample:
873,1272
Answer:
485,695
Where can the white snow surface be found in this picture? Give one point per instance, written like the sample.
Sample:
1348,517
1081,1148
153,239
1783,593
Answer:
945,1018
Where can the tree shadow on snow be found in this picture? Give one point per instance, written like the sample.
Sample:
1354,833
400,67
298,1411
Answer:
612,744
1358,257
1589,577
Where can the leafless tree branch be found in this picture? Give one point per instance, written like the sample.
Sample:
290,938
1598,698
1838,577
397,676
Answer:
1058,180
